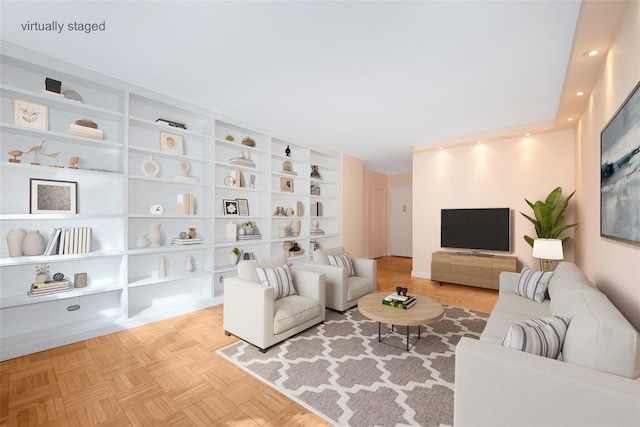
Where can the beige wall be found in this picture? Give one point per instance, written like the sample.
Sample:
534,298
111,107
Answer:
613,265
495,174
352,205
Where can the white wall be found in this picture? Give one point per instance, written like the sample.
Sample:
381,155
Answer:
613,265
494,174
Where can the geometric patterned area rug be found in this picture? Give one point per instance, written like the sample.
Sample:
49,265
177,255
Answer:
341,372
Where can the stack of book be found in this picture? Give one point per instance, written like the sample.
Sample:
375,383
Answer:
85,131
66,241
399,301
49,287
194,241
256,236
241,161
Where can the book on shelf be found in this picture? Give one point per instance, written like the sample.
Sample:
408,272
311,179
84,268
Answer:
177,241
186,204
239,161
85,131
250,237
396,297
65,241
49,287
410,302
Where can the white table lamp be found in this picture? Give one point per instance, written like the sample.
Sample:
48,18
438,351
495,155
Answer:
547,250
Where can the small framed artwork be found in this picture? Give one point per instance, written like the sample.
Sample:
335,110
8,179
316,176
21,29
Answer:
286,185
30,114
230,207
48,196
171,143
243,207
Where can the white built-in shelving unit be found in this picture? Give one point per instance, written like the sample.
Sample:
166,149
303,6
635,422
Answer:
115,196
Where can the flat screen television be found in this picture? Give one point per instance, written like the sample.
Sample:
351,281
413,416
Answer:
476,229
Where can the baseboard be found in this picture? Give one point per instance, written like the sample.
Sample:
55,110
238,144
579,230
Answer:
421,274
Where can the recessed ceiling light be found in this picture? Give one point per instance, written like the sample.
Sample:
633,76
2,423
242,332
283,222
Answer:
580,93
591,52
478,142
439,148
527,134
570,119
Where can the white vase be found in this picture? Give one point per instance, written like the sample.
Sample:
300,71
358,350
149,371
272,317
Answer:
15,236
294,227
162,270
33,243
188,265
155,236
41,278
142,240
234,258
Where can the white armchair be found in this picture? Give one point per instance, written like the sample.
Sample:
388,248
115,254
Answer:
253,312
343,290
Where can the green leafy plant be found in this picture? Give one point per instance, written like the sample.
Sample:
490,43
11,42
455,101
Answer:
547,216
229,137
236,251
249,224
249,141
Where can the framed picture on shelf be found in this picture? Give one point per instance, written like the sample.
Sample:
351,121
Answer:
48,196
230,207
619,172
30,114
243,207
171,143
286,185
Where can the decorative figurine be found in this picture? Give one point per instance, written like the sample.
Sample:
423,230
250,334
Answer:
287,151
229,138
55,157
15,154
249,142
73,162
36,149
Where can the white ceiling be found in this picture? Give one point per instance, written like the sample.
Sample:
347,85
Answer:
371,79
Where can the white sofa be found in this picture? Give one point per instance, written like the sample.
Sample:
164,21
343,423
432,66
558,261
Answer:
594,382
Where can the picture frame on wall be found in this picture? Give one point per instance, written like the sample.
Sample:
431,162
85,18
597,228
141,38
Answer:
171,143
50,196
30,114
243,207
620,172
286,185
230,207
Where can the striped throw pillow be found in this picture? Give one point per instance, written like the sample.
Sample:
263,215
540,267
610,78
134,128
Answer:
543,336
533,284
279,279
343,261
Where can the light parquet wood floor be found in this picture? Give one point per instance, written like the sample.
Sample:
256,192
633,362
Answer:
168,373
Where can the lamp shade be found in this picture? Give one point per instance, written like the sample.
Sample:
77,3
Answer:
547,249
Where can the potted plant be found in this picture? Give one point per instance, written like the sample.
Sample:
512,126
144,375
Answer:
547,216
42,273
249,227
234,256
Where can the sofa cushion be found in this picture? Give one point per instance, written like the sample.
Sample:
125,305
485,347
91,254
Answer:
599,337
499,323
293,311
543,336
247,269
567,279
279,279
321,256
342,261
512,303
533,284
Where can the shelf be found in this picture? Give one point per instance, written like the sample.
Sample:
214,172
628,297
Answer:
149,124
168,181
172,248
149,281
238,145
226,268
62,103
23,260
158,153
229,166
60,137
240,243
19,300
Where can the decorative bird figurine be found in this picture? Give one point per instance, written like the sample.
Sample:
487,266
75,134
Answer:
15,154
73,162
36,149
53,156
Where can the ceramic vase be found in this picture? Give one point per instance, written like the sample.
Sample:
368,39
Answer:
192,233
294,227
155,235
248,230
162,270
142,240
41,278
33,243
15,236
188,264
282,230
234,258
